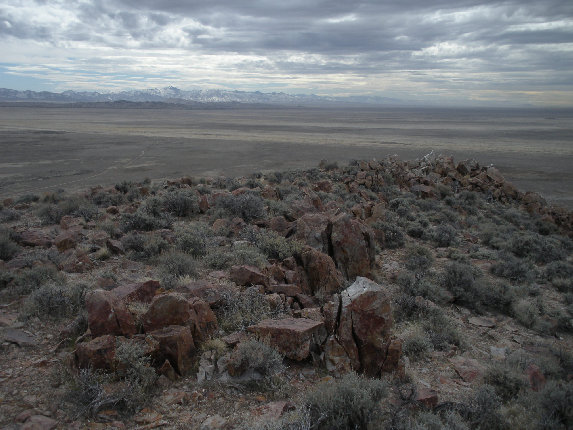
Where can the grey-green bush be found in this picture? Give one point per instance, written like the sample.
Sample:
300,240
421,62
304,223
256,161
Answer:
351,402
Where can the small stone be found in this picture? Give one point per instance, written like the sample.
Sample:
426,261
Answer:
467,368
215,422
19,337
39,422
482,322
427,397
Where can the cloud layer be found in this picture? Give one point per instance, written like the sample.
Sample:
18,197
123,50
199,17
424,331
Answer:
516,51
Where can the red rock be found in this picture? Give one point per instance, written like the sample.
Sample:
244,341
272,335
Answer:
314,230
35,238
39,422
77,262
248,275
494,175
427,397
353,246
270,193
281,225
276,274
275,410
468,368
536,378
66,240
209,292
166,310
364,325
336,358
330,313
393,355
107,315
98,353
167,370
482,322
293,337
138,292
286,289
203,204
312,314
98,237
176,345
424,191
115,246
323,277
205,323
306,301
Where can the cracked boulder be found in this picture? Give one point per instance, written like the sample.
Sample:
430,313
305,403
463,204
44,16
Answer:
108,315
362,331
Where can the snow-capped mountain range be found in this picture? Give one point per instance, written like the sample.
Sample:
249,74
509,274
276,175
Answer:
175,95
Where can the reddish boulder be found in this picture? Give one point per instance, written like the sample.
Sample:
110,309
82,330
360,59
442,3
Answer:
314,230
321,272
205,321
139,292
98,353
536,377
205,290
67,240
76,262
107,315
248,275
167,309
115,246
286,289
280,225
35,238
468,369
352,246
292,337
427,397
364,325
176,345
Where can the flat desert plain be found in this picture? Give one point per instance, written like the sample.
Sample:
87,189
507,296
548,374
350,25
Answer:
48,148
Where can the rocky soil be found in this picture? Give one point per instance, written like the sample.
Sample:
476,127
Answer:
381,294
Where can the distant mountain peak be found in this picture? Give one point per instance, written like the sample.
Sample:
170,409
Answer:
172,94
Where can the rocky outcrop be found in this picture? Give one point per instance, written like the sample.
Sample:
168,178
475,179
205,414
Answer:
360,327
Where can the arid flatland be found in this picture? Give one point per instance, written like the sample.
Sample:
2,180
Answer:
43,149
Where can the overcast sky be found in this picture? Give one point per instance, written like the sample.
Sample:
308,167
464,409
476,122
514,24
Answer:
451,51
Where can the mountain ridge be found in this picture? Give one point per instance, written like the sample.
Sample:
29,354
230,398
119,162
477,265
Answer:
177,96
